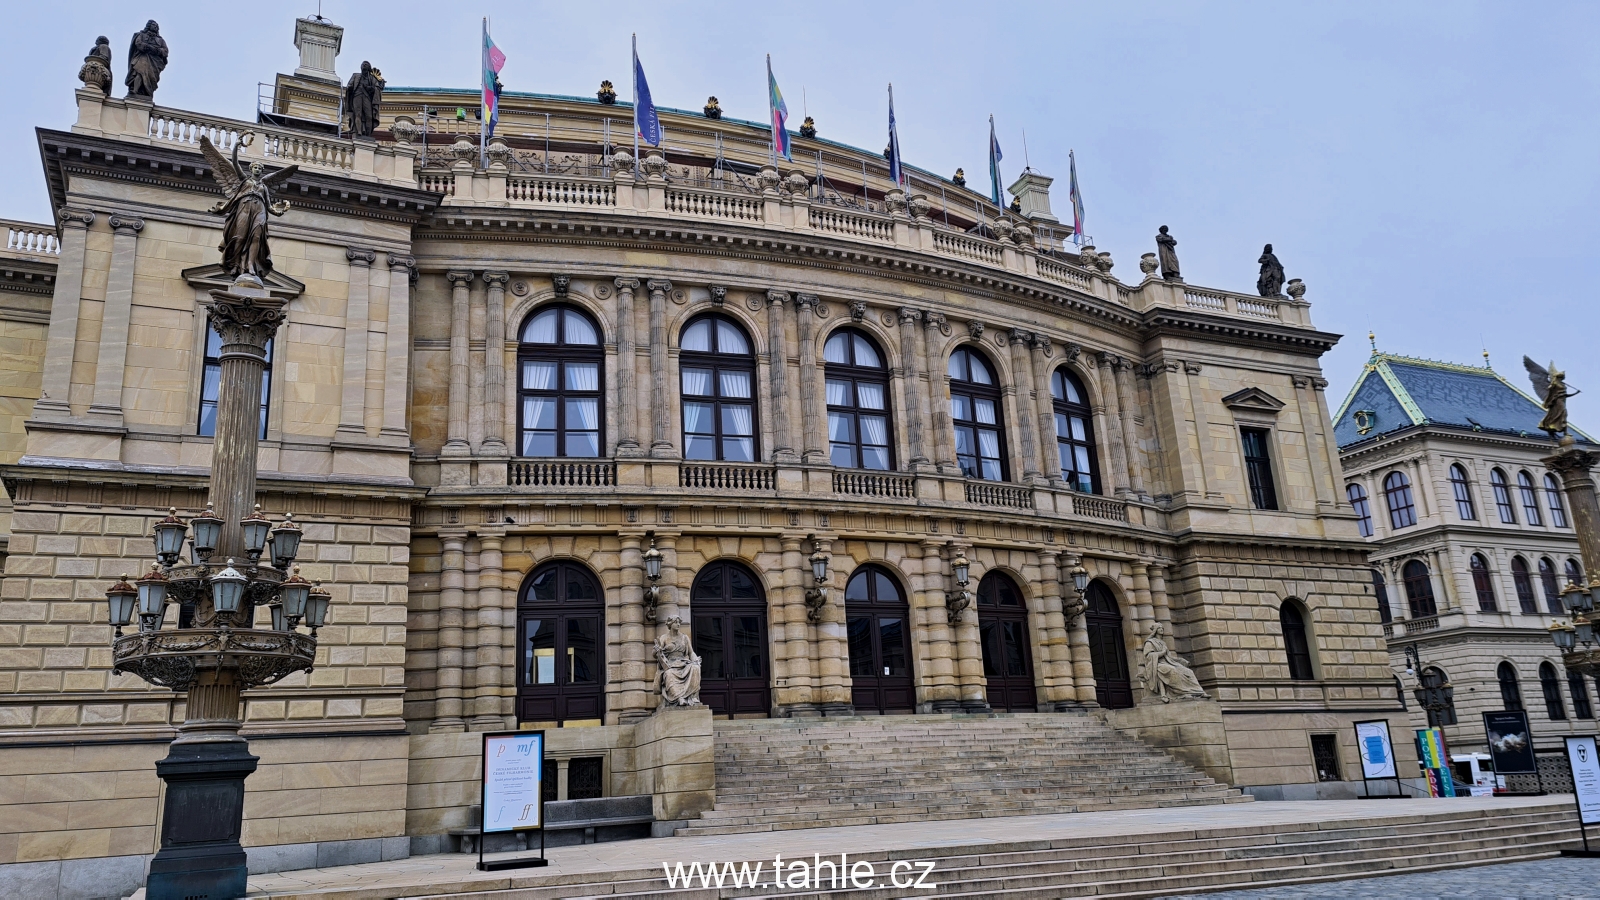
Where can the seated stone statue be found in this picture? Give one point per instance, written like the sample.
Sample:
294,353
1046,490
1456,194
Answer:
679,681
1164,673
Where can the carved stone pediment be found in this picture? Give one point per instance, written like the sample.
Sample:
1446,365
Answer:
1253,400
212,278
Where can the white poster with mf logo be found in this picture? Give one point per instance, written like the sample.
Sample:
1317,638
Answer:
513,781
1585,762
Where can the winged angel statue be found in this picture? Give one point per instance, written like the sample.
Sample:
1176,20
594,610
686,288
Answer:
246,204
1551,386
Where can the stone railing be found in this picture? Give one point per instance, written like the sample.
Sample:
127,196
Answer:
1050,270
28,239
1236,304
727,476
968,247
832,220
438,182
874,484
547,191
1100,507
989,493
715,205
560,473
1419,625
288,148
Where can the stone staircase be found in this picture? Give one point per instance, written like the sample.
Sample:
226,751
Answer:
781,774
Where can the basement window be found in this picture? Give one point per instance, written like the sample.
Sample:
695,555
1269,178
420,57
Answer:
1325,756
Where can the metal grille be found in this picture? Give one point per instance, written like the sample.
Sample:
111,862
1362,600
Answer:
547,783
584,776
1325,754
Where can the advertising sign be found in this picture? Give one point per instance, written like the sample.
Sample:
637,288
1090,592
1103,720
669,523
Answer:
1584,759
1510,742
1435,758
1376,749
513,781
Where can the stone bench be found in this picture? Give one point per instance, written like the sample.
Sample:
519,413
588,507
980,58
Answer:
567,822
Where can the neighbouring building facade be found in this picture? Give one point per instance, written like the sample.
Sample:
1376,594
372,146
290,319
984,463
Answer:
506,385
1472,541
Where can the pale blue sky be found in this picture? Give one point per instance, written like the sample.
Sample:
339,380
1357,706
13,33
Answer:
1428,169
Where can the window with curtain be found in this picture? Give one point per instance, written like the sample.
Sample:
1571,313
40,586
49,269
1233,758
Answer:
1530,498
1381,591
1510,693
1295,642
1419,589
718,372
1482,584
1397,493
1363,510
1552,496
1463,491
1522,580
1580,696
560,363
1074,432
1258,467
211,385
1552,587
858,402
975,409
1550,685
1502,497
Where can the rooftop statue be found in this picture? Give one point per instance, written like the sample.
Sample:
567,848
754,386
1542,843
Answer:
246,204
96,71
1270,284
1167,250
1551,386
147,56
363,97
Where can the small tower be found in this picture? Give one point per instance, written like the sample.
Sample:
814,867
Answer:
318,41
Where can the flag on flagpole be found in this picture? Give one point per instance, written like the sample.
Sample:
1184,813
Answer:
894,144
780,116
1076,195
646,124
493,62
994,165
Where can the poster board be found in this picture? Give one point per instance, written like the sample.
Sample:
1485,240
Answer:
512,791
1376,749
1584,759
1510,742
1434,755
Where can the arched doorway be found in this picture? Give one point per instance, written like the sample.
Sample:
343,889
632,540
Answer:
730,634
1107,653
877,621
561,614
1007,654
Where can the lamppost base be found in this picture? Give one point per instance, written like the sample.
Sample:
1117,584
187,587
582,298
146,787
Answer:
200,855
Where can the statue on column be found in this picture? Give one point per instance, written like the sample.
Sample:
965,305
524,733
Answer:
1551,387
147,56
246,203
1270,284
1164,673
96,70
679,681
1167,250
363,97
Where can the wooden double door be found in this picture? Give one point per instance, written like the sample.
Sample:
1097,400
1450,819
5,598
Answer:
560,635
878,625
1007,652
730,635
1107,653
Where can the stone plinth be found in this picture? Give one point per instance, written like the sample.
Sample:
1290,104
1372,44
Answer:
1190,730
672,749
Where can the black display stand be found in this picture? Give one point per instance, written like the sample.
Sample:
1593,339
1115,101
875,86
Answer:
1366,783
200,854
520,862
1582,828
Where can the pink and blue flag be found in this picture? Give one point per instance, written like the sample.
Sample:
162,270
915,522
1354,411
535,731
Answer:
493,62
780,115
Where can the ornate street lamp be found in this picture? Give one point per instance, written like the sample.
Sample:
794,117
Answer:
652,570
960,598
817,595
1072,608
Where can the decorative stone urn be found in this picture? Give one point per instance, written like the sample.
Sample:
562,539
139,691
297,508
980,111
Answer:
465,152
920,206
499,153
796,184
654,165
1296,289
1148,265
404,129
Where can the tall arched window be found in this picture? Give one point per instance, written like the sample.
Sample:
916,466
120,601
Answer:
730,635
1419,589
1463,491
718,371
1074,432
559,390
1580,696
1552,496
1552,587
1510,693
1358,502
1007,652
1574,572
1530,498
1482,584
211,385
877,623
1108,656
1522,580
1296,644
1397,492
1381,592
1434,677
1551,686
858,402
561,666
975,409
1502,497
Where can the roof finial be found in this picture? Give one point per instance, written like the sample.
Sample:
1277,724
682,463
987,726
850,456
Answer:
1371,336
1486,358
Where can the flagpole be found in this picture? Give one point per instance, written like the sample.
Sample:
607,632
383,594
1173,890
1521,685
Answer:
635,105
483,114
772,115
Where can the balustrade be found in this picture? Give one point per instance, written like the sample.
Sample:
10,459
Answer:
1100,507
1196,299
853,224
988,493
286,148
438,182
714,205
968,247
1062,274
29,239
874,484
560,473
727,477
561,191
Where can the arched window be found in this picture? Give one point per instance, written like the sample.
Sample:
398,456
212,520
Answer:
1381,592
1552,588
730,635
1580,696
1397,491
1358,502
1530,498
1482,584
1463,491
1574,572
1434,677
1419,589
1551,686
561,614
718,371
1502,497
559,390
1007,652
1552,496
1108,656
1522,580
1510,694
877,621
211,385
1074,432
1296,644
858,402
975,409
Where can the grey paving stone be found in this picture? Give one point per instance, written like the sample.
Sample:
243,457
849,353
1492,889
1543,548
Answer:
1552,879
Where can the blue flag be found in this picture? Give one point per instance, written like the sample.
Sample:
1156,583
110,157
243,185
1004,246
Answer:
994,165
894,143
645,121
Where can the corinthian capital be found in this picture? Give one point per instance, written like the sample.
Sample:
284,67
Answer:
1107,359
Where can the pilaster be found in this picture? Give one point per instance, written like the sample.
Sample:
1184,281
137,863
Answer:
456,430
942,438
61,340
397,354
627,361
1112,422
447,715
111,365
778,367
486,687
811,393
494,367
661,446
916,406
1027,413
353,393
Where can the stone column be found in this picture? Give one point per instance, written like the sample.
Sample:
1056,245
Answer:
1145,611
62,339
832,661
447,713
916,407
1128,404
490,620
778,368
1161,605
1321,475
661,446
494,365
969,650
1078,640
627,359
791,663
456,434
1049,454
1112,419
632,687
671,603
941,439
1057,688
931,587
1572,466
1027,413
111,366
357,312
816,446
397,355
